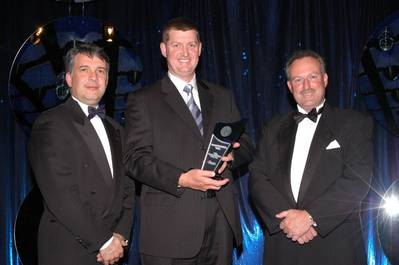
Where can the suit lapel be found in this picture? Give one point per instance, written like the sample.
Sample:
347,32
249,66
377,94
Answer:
206,100
90,137
116,152
115,144
176,102
322,137
286,141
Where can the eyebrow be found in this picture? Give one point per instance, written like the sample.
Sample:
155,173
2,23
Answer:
98,67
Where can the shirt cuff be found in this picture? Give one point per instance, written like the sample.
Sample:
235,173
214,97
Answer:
107,243
314,224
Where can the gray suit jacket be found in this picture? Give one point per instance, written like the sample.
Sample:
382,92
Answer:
83,204
163,142
334,183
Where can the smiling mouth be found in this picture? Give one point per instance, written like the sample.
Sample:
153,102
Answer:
92,87
184,60
308,92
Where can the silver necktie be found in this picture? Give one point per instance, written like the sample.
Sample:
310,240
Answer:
195,111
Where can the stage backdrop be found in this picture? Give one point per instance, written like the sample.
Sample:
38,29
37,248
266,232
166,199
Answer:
246,43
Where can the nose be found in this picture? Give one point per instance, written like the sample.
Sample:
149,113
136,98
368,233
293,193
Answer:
92,75
306,83
185,51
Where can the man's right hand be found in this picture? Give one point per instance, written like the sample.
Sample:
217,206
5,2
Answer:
198,179
113,252
309,235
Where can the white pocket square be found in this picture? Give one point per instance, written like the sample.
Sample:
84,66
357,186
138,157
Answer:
333,145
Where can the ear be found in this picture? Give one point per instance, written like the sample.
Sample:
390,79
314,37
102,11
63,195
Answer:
68,79
106,81
289,86
162,46
325,79
200,49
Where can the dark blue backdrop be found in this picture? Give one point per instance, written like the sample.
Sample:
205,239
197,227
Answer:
245,45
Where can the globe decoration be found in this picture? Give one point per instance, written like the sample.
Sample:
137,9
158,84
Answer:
388,223
36,81
378,77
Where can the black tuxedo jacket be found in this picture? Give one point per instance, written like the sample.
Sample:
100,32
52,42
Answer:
163,142
83,204
334,182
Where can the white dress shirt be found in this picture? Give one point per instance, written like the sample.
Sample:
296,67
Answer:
180,84
303,140
102,134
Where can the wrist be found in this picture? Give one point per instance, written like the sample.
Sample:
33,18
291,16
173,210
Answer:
180,185
106,244
312,221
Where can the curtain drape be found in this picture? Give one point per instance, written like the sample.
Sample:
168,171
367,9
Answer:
245,45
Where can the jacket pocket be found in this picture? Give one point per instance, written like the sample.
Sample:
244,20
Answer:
159,199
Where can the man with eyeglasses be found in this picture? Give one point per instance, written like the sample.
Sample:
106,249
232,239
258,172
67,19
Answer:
310,173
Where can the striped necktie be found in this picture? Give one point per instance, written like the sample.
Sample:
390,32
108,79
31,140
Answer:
195,111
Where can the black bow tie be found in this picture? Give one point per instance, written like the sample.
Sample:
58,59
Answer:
312,115
100,112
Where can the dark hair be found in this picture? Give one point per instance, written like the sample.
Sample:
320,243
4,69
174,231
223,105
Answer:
179,23
299,54
88,49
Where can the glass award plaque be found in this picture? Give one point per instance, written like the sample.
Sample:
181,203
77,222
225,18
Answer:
220,144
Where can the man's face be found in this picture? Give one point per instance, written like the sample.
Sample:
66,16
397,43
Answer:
182,51
307,82
88,79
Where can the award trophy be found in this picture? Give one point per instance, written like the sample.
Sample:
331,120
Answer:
223,137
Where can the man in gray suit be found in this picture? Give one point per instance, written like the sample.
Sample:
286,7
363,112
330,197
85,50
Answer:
76,155
187,216
311,171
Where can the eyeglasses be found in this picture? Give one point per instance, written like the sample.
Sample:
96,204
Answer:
312,77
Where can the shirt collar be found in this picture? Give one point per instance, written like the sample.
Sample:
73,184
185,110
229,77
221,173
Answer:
180,84
301,110
83,106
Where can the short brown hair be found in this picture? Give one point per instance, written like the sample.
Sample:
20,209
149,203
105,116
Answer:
299,54
88,49
179,23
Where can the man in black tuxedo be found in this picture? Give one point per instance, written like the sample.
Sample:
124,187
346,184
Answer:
311,171
76,155
187,217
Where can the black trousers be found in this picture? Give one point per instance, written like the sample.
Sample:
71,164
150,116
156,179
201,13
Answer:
217,246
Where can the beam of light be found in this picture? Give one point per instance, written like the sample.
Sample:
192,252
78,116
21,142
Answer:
370,246
391,206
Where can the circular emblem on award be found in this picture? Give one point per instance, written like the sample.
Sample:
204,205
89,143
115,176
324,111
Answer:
225,131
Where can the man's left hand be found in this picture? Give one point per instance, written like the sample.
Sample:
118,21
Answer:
295,223
114,251
227,159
